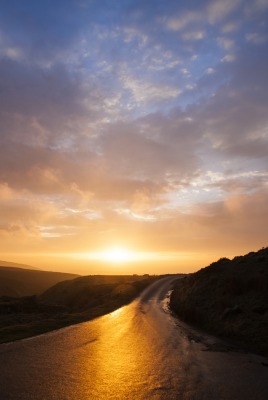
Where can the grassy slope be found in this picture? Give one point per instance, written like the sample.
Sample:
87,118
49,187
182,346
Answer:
228,298
67,303
18,282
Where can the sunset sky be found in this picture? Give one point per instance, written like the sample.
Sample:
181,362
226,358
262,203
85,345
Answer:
132,126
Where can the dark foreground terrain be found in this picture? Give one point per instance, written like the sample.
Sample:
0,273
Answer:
68,302
228,298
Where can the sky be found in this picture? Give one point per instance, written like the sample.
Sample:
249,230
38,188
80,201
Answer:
136,128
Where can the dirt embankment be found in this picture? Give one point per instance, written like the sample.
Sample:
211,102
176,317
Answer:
228,298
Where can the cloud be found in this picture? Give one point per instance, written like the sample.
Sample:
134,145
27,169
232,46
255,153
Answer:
230,27
256,7
40,104
210,70
226,43
150,147
22,213
183,20
146,92
220,9
234,126
256,38
145,121
194,35
228,58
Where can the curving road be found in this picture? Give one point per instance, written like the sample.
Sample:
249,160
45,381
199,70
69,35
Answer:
137,352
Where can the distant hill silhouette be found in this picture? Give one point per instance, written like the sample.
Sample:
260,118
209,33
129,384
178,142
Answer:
65,303
17,265
17,282
228,298
90,291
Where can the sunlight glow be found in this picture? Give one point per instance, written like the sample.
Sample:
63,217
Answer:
115,255
118,255
123,255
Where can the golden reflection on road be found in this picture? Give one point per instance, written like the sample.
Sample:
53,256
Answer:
131,357
117,357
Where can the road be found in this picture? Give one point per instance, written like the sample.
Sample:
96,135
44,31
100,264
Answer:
138,352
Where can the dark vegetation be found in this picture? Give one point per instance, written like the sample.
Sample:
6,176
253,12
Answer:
17,282
67,303
228,298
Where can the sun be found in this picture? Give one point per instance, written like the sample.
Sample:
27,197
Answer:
117,255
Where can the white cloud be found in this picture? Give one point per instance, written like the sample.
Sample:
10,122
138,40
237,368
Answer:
230,27
219,9
256,38
226,43
210,70
190,86
228,58
13,53
186,72
162,62
180,22
194,35
145,92
131,34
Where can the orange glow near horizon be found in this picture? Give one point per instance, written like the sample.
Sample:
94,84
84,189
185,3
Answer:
113,259
120,255
114,255
117,259
117,255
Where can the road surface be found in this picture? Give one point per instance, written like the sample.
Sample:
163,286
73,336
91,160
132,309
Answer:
138,352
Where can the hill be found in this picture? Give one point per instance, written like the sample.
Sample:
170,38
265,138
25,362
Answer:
16,265
228,298
89,291
67,303
18,282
